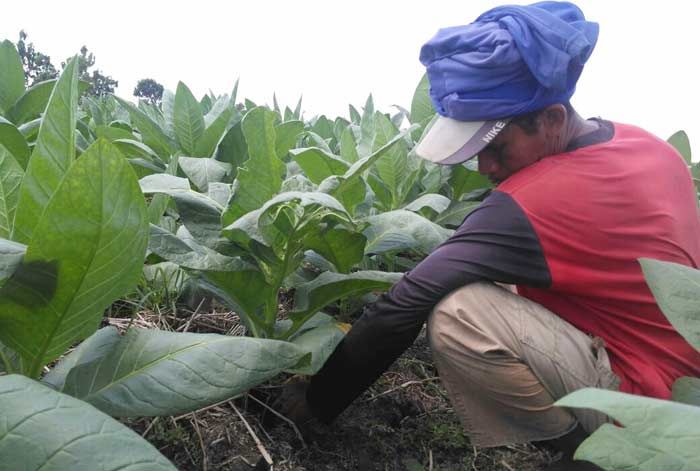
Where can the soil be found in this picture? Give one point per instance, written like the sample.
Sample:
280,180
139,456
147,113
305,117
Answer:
403,422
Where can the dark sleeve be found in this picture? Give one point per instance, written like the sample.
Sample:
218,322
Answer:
495,242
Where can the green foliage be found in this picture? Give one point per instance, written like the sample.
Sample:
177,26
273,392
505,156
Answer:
10,178
53,155
75,266
681,143
11,76
261,176
88,439
185,371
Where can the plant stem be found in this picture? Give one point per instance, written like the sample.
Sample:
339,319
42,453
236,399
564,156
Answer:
6,361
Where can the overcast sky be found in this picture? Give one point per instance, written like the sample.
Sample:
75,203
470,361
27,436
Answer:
643,71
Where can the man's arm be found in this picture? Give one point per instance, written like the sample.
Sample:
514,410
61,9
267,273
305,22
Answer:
495,242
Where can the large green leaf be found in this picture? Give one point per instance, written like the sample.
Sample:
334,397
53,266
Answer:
355,117
203,171
233,148
323,127
297,182
243,290
187,254
219,192
10,179
159,202
11,255
13,140
367,129
318,164
669,431
151,133
340,246
45,430
199,213
94,232
164,183
261,177
383,197
402,230
216,121
53,154
328,287
429,205
157,373
348,146
687,391
314,140
187,118
92,348
286,135
111,133
30,130
435,177
676,288
137,149
618,449
11,75
216,107
168,107
455,213
462,181
32,103
421,106
246,234
320,341
681,143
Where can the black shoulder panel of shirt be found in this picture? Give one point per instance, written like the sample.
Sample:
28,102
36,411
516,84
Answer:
495,242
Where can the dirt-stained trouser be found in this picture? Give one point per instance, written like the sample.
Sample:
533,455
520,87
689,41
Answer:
505,360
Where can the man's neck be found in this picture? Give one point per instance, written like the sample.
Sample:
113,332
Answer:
574,128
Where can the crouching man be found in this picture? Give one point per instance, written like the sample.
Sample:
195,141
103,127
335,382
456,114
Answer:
576,203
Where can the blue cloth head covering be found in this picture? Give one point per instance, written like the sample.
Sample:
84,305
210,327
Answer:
510,61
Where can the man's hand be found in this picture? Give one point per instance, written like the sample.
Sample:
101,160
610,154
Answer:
292,402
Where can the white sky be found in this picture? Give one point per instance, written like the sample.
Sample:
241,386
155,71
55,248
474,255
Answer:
643,71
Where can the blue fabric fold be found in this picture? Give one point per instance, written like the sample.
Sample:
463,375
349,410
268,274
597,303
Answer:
511,60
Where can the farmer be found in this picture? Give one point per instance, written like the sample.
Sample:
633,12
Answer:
576,203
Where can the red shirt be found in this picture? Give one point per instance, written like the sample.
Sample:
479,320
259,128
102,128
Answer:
597,210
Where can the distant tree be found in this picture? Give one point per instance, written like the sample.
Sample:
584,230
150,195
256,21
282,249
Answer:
37,66
149,90
100,85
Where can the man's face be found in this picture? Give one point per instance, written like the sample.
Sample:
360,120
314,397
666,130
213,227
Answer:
511,150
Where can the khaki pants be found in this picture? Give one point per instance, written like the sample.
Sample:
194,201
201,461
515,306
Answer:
505,360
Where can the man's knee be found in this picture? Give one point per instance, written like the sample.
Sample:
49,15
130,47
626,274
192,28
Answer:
459,311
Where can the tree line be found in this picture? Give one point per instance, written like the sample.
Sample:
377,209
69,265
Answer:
38,68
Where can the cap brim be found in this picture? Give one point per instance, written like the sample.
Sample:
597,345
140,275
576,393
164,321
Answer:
448,141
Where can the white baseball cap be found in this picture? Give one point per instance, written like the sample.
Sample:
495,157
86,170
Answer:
448,141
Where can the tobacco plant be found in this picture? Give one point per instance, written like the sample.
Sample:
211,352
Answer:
75,232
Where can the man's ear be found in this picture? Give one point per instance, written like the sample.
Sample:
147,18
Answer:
554,117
